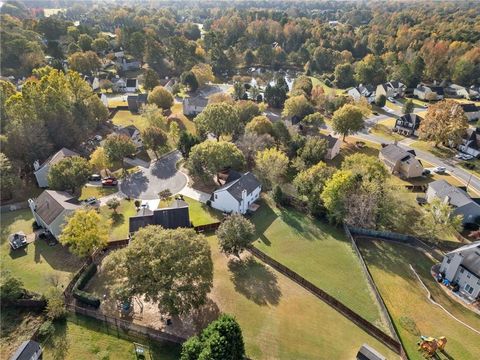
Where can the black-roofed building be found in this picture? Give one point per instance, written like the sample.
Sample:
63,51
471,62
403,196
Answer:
366,352
237,195
173,217
194,105
135,102
471,110
29,350
408,124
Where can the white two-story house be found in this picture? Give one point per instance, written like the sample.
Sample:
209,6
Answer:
462,267
41,171
238,195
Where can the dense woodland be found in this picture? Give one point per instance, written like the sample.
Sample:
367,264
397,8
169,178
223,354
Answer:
407,41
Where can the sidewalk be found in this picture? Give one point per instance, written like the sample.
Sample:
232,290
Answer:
195,194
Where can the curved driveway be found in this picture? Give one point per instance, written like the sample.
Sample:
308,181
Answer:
161,175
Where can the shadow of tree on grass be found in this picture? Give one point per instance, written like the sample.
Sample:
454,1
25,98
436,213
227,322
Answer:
255,281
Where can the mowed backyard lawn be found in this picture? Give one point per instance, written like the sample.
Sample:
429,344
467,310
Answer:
318,252
38,263
406,300
126,118
82,338
280,319
119,220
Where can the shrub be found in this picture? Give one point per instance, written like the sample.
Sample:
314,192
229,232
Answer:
84,296
278,196
46,329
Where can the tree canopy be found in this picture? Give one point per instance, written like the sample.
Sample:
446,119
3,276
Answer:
347,120
69,174
218,119
160,97
235,234
170,267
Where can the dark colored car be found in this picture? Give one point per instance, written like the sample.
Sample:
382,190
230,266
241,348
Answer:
95,177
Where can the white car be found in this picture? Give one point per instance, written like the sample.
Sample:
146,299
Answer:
462,156
90,201
392,100
440,170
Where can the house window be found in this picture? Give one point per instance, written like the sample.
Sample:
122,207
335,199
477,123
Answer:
216,196
461,271
448,261
468,288
469,275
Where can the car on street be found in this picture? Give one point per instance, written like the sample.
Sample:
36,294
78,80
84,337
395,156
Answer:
440,170
109,181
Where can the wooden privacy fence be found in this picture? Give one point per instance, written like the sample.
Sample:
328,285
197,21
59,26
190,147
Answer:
334,303
207,227
152,334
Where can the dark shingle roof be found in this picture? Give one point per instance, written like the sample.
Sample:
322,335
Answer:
50,204
469,107
131,82
29,350
198,101
128,130
331,141
457,197
169,218
58,156
394,153
247,182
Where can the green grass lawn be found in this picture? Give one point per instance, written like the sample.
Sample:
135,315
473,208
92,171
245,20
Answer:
327,88
96,192
120,219
201,214
349,148
126,118
177,110
279,319
38,263
84,338
384,128
317,251
441,152
413,315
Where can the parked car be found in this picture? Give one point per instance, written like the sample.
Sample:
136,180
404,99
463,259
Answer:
90,201
440,170
462,156
375,113
95,177
109,181
391,99
426,172
98,138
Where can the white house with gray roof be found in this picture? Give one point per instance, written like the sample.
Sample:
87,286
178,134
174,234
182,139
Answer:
238,195
462,267
194,105
458,198
51,208
41,171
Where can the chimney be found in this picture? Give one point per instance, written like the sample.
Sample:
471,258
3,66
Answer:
36,165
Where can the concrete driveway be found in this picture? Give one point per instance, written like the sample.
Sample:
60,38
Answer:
161,175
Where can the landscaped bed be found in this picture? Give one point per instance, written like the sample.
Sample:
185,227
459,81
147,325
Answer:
406,300
38,265
319,252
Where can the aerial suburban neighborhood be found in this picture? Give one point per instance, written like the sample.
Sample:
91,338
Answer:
233,180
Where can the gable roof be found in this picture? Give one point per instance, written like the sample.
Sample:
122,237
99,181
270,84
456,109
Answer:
58,156
50,204
247,182
169,218
366,352
128,130
394,153
197,101
457,197
471,257
28,350
331,140
409,120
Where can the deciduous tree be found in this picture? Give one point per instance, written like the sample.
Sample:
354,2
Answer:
175,271
444,122
84,62
313,151
208,158
438,219
344,75
203,73
152,79
408,107
85,231
272,166
218,119
347,120
118,146
161,97
98,159
260,125
297,106
235,234
155,139
69,174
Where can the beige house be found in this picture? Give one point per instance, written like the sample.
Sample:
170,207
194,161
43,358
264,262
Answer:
401,162
51,208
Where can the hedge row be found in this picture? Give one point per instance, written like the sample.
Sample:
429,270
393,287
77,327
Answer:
84,296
